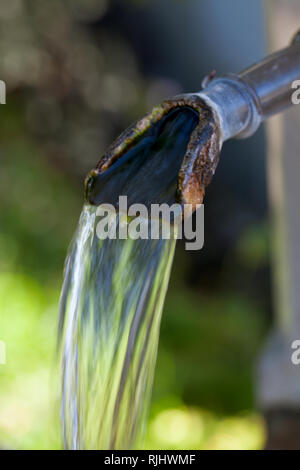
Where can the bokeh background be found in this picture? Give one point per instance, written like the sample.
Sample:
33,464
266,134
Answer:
77,73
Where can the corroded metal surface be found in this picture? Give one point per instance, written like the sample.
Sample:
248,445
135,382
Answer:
201,156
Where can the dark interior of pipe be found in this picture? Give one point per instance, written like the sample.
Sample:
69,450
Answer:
147,173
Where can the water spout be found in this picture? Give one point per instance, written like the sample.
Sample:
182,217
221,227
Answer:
190,163
232,105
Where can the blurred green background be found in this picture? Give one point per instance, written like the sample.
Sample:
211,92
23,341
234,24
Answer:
78,73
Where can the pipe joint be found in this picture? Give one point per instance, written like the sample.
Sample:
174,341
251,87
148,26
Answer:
235,104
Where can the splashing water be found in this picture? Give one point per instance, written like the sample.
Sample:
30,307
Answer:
110,312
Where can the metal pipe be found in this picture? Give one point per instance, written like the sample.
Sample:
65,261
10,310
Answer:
242,101
230,106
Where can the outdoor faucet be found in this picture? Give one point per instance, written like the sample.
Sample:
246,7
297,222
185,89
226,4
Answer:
232,105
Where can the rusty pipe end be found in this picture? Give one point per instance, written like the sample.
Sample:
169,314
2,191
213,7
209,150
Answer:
198,162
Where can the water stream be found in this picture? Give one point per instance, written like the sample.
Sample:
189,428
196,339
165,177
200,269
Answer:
112,297
111,306
112,300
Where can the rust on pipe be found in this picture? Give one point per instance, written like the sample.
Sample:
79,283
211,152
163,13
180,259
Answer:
200,159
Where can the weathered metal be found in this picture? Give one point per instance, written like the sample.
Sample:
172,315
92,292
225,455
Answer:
200,159
230,106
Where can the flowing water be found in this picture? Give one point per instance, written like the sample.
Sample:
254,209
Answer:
110,312
113,296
